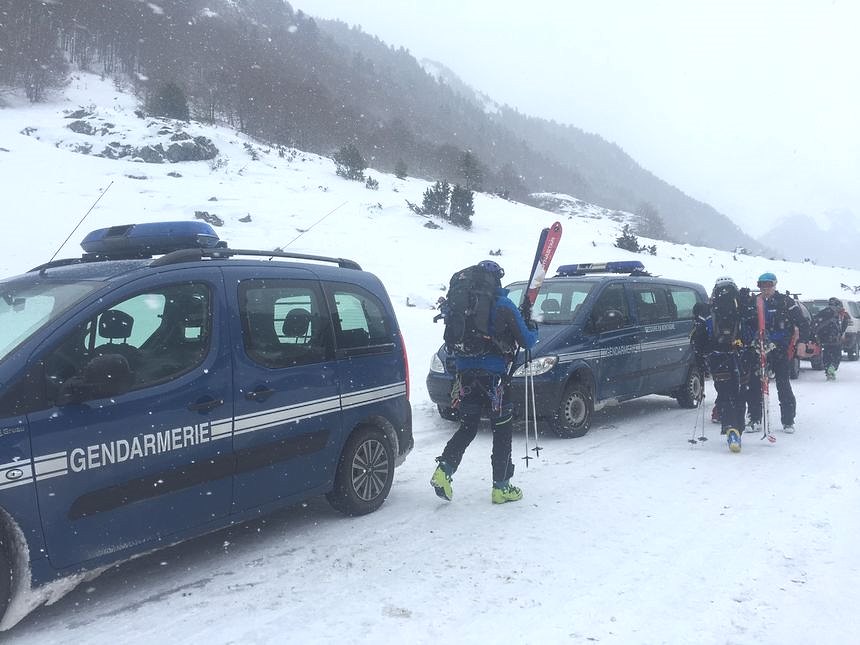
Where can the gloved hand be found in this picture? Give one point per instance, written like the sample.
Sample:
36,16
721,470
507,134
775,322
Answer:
526,310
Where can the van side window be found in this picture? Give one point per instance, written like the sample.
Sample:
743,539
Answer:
359,318
682,299
160,334
652,304
612,298
284,322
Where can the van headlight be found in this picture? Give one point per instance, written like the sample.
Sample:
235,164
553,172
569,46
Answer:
436,365
536,366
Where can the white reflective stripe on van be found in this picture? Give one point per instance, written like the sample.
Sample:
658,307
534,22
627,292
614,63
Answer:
668,343
290,413
296,412
632,348
48,466
222,429
363,397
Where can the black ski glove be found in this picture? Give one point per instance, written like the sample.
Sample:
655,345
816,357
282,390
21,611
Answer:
526,310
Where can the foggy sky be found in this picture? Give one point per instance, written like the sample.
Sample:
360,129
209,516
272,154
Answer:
749,105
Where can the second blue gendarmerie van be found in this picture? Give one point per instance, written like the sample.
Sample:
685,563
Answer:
162,386
608,333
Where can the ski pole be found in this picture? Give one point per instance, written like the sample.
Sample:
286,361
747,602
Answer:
703,438
699,409
531,380
527,457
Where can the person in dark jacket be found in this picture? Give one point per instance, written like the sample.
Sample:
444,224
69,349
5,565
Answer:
782,315
482,385
719,350
829,325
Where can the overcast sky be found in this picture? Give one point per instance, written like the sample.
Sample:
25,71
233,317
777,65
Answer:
749,105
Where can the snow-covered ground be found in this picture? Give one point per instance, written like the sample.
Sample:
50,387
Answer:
627,535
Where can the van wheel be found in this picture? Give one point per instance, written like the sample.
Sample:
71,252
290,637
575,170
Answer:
364,473
573,415
5,576
690,393
449,414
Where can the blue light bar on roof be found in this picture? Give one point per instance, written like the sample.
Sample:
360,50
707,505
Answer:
156,238
618,266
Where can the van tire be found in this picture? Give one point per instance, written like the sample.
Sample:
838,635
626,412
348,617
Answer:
365,472
690,393
572,418
5,574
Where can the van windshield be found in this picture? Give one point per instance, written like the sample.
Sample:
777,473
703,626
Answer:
557,302
27,306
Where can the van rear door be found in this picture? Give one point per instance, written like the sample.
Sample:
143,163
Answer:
665,317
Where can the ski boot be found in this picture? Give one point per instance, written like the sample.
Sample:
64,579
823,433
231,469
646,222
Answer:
788,428
506,492
830,373
733,438
441,481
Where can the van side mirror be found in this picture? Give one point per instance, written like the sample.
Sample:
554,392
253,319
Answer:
609,320
105,375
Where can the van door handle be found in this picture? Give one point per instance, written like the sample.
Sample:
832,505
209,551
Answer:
260,394
205,406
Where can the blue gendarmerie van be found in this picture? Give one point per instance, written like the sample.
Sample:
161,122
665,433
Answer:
163,386
608,333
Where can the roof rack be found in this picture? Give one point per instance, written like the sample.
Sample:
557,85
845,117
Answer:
631,267
190,255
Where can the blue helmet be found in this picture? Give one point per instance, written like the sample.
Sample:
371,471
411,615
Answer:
492,267
767,277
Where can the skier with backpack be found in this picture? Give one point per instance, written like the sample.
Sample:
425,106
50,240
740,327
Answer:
781,315
718,342
829,324
483,329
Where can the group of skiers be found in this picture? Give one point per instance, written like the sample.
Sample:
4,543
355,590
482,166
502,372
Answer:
740,337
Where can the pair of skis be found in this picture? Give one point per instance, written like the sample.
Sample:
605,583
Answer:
765,381
546,247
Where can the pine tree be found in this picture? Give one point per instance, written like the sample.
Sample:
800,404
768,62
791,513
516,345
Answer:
462,207
436,199
349,163
169,100
627,240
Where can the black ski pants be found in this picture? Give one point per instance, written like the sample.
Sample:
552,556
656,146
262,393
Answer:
778,361
831,354
482,391
725,368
